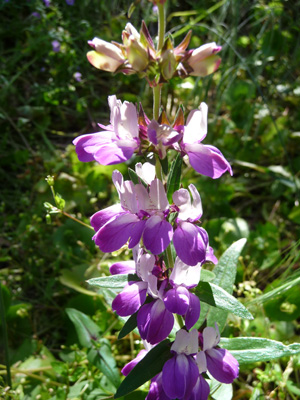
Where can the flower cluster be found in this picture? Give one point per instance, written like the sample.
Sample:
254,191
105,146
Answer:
192,355
137,54
169,245
128,133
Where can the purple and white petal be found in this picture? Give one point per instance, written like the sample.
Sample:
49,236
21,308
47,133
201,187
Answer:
88,145
183,274
136,233
154,321
114,234
100,218
158,195
196,125
123,267
179,376
156,391
115,152
145,171
157,234
222,365
190,243
201,362
130,299
126,191
177,300
193,313
200,391
207,160
186,342
144,265
188,211
211,337
210,255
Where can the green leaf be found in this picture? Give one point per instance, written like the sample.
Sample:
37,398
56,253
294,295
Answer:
135,178
220,391
215,296
129,326
251,349
86,329
207,276
173,182
225,272
104,360
165,165
146,369
73,281
112,281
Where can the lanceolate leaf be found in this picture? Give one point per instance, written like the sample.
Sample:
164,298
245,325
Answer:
86,329
112,281
250,349
225,272
129,326
215,296
207,276
101,356
174,177
146,369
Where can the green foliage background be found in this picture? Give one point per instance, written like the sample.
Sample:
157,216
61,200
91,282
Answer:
254,119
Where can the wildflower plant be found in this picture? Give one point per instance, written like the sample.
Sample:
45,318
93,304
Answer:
165,291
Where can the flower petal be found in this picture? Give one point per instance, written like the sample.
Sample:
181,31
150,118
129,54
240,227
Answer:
154,321
179,376
190,243
157,234
196,125
193,313
186,342
183,274
130,299
100,218
222,365
200,391
123,267
114,234
129,366
177,300
207,160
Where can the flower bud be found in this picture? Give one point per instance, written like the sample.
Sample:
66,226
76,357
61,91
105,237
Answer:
107,56
136,54
203,61
168,64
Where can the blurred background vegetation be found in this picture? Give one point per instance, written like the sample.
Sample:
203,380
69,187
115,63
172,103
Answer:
50,94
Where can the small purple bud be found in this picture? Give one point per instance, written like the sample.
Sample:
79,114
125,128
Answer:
70,2
36,15
47,3
55,46
78,76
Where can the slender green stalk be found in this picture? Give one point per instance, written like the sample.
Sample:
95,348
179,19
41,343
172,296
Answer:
156,101
169,257
180,320
5,338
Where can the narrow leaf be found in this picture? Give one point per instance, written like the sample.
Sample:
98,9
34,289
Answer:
129,326
165,165
251,349
112,281
207,276
135,178
104,360
146,369
217,297
225,272
86,329
173,182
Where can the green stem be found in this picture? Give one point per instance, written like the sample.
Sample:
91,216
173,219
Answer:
161,26
156,101
158,169
169,257
5,338
180,320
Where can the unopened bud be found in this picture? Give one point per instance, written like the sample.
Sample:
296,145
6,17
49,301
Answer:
136,54
203,60
50,180
168,64
107,56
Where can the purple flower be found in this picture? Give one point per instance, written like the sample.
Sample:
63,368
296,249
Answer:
180,373
47,3
186,139
129,366
219,362
55,46
117,142
35,14
142,213
156,391
205,159
70,2
200,390
77,76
